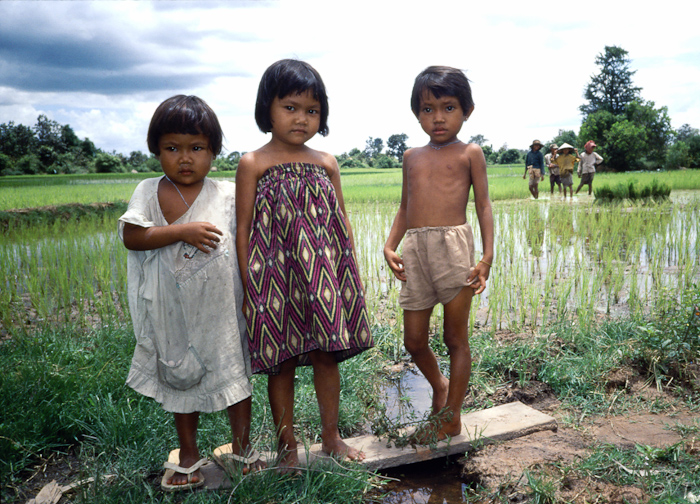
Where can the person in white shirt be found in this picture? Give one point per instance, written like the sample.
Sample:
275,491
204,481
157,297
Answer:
586,167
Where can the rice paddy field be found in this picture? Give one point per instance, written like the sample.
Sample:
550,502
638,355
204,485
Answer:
554,257
573,267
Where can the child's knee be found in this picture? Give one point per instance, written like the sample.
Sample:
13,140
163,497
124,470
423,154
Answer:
415,345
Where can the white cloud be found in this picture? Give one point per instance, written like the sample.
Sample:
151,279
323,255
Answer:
529,64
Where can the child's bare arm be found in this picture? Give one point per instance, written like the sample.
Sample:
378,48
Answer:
202,235
398,229
483,211
334,176
396,234
246,190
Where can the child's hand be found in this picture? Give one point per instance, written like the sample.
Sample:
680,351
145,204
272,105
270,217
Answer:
479,275
202,235
395,263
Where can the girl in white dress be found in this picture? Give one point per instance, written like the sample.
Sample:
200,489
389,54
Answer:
184,287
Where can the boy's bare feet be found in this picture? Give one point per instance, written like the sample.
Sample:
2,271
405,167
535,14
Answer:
438,427
440,396
338,448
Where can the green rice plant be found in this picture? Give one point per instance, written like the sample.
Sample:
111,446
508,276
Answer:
629,190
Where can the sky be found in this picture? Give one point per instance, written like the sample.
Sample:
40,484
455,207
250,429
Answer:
104,66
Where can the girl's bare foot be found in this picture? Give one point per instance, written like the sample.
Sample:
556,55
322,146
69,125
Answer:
338,448
184,479
288,460
248,460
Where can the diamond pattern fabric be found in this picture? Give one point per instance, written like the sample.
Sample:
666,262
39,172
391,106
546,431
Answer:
304,290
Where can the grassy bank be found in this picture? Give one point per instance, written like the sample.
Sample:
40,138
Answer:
64,398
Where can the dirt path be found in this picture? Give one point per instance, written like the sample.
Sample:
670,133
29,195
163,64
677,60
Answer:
501,468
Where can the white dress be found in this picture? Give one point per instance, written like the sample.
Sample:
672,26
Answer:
191,349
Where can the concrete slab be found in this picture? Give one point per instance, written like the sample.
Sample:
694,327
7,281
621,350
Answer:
501,423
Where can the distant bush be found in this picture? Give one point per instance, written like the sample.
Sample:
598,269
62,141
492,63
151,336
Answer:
6,166
104,163
351,162
655,191
384,161
678,156
28,164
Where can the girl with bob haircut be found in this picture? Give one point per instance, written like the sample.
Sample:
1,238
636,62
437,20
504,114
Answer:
442,81
287,77
304,303
188,115
185,292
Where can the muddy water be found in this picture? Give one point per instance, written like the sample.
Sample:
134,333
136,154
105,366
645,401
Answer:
408,399
434,482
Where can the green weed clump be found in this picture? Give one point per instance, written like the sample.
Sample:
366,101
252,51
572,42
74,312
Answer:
657,191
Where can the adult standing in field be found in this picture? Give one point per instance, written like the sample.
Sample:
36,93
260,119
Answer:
566,160
549,162
534,165
586,168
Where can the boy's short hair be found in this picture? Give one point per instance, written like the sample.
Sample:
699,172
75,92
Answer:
186,115
442,81
285,77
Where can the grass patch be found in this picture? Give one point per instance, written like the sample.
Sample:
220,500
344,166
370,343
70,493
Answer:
64,389
631,191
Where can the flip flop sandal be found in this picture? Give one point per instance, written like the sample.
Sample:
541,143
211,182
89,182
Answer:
172,467
223,455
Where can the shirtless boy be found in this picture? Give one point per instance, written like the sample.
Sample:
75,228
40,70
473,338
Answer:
438,254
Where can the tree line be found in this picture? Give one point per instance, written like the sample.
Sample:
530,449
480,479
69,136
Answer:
631,134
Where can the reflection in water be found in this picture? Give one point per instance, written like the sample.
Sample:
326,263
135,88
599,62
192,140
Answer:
408,398
435,482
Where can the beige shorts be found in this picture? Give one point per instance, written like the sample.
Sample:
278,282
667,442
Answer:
535,176
437,261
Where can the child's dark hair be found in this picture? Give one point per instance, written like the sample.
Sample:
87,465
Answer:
285,77
186,115
442,81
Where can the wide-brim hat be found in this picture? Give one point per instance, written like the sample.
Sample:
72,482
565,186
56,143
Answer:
565,146
554,146
536,142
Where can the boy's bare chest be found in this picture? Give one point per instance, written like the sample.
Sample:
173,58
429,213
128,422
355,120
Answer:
437,178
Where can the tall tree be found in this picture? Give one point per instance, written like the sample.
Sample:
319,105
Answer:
611,89
48,134
16,140
479,140
396,145
373,147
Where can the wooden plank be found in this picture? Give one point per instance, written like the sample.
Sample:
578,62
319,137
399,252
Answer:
501,423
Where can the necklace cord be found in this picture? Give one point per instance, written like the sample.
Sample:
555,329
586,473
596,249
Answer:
177,189
440,146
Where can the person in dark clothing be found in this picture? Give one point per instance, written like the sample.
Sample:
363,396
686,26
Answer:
534,165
